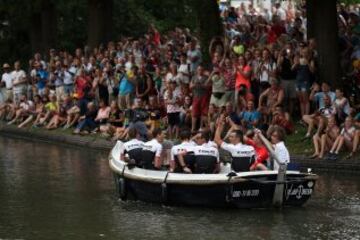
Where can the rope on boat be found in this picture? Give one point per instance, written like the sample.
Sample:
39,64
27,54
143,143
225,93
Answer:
122,188
230,188
164,195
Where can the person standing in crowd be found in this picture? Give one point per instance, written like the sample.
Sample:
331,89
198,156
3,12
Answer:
19,82
7,83
199,87
287,76
267,70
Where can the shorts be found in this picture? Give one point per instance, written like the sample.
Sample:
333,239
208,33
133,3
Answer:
174,119
289,89
302,86
200,106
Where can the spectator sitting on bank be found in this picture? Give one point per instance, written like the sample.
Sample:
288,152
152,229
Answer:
341,105
250,118
115,121
324,141
281,119
38,109
59,116
102,116
274,97
87,122
23,110
50,108
320,118
349,137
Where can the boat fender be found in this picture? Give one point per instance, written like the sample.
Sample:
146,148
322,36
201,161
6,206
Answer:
131,164
122,188
229,191
164,195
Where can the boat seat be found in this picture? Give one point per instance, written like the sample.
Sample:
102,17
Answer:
241,164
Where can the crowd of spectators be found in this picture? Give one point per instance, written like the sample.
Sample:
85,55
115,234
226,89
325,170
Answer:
263,75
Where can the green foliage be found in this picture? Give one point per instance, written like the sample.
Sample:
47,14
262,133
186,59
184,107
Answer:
131,18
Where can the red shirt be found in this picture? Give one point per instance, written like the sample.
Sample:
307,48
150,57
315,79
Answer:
241,79
262,153
81,83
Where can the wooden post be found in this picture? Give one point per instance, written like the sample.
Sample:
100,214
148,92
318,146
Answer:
278,197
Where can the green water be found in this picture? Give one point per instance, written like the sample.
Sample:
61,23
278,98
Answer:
53,192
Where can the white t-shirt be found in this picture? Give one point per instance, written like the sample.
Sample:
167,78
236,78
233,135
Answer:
68,78
239,150
18,76
282,154
264,75
8,80
184,146
206,151
153,146
27,105
172,106
132,145
183,71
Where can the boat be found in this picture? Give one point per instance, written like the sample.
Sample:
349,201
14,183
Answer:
255,189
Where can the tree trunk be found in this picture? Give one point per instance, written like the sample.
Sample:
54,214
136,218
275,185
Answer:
48,26
322,23
209,25
43,25
35,32
100,22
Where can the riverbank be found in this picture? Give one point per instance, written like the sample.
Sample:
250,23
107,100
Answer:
97,143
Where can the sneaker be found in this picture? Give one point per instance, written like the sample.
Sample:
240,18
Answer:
334,156
328,156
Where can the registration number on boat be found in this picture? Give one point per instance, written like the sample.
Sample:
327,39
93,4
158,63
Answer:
246,193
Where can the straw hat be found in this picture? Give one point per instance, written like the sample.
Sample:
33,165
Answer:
6,65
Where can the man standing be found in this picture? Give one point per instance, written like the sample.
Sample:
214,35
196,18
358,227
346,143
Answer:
59,81
7,82
19,82
200,103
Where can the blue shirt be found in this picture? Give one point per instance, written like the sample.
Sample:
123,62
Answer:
43,76
319,98
249,117
125,86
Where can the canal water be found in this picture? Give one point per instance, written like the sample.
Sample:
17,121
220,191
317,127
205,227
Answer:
57,192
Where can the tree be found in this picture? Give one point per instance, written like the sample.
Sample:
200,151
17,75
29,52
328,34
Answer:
323,27
209,24
43,22
100,22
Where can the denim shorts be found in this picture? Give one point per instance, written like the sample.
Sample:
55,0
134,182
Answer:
302,86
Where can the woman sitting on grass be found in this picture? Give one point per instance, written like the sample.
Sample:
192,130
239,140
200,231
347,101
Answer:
50,109
324,141
115,121
60,116
38,109
22,110
87,122
348,136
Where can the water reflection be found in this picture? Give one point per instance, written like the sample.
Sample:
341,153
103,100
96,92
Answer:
51,192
